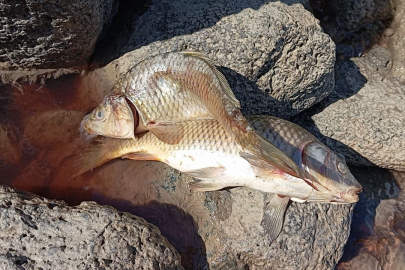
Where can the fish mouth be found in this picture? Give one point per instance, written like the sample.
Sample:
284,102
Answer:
85,131
351,196
343,197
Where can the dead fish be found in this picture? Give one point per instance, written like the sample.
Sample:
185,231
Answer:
171,88
320,166
217,161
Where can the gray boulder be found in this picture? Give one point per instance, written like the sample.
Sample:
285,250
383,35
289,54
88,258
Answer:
50,34
36,233
363,118
276,57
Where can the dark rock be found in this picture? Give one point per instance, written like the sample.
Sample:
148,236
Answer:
51,34
38,233
354,25
377,237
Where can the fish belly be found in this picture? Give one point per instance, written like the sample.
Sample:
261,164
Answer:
212,166
283,184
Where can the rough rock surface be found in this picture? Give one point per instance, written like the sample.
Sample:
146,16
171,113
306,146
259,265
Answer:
279,63
363,118
354,25
317,232
354,14
36,233
50,34
396,40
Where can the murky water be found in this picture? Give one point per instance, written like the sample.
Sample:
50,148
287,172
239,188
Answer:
377,237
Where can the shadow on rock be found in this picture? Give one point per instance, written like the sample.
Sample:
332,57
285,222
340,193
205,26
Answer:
345,87
175,224
139,23
355,26
348,82
253,100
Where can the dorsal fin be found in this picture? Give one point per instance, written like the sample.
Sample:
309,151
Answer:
224,83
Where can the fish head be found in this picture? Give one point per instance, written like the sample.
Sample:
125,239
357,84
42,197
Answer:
329,175
112,118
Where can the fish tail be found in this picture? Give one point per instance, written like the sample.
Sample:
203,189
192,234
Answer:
93,156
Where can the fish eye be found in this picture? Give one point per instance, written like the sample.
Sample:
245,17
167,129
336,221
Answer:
342,167
100,115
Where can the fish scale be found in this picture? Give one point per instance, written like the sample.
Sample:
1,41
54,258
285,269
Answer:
176,87
285,135
215,159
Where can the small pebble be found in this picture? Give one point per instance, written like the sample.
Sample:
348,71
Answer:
388,32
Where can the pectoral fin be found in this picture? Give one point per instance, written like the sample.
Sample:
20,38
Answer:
170,134
273,216
260,166
278,158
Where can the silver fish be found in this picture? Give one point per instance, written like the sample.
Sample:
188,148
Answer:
171,88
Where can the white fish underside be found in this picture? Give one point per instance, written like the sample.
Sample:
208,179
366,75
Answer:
226,170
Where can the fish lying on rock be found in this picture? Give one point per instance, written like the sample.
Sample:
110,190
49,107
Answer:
168,89
318,163
209,154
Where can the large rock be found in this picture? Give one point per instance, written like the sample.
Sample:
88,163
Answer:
276,57
50,34
36,233
364,118
317,232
